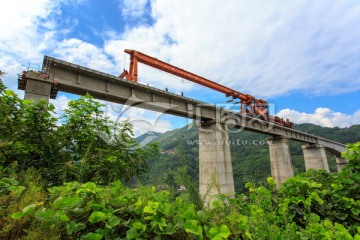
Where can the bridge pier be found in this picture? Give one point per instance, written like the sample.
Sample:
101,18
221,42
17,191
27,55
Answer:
340,163
280,159
215,167
315,157
37,90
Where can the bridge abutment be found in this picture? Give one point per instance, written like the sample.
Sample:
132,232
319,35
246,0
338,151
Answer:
315,157
215,167
340,163
280,159
37,90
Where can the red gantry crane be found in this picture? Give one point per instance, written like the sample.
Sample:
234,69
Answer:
250,106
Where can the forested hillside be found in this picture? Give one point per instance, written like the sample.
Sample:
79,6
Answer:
249,153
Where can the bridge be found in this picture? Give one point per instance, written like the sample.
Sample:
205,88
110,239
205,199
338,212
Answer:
212,121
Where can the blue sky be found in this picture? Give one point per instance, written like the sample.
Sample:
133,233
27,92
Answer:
302,56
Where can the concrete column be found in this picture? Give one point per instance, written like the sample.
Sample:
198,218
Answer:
280,159
340,163
215,167
37,90
315,157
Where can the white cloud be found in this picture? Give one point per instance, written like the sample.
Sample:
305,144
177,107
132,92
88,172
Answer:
60,104
322,116
86,54
257,47
133,8
262,48
27,28
11,69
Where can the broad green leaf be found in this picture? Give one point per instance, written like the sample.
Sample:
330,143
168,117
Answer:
151,207
188,214
113,221
24,212
29,208
202,216
191,226
92,236
66,202
97,217
72,227
89,187
314,218
26,102
17,189
132,234
224,231
328,224
96,206
18,215
139,226
51,215
162,223
213,231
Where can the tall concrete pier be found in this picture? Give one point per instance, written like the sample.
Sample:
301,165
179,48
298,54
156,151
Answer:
315,157
37,90
340,163
280,159
215,167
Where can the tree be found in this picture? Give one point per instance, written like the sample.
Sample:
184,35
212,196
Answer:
86,147
27,132
98,149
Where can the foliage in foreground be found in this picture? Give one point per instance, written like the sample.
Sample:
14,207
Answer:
87,146
313,205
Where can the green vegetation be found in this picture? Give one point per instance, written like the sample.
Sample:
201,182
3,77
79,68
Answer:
249,153
84,148
76,181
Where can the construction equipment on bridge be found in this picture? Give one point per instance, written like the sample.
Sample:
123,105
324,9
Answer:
22,81
250,106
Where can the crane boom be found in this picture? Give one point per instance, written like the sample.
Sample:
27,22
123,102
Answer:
166,67
249,105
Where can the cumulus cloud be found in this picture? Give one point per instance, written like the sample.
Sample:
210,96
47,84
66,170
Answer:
133,8
27,28
262,48
322,116
83,53
60,104
11,68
